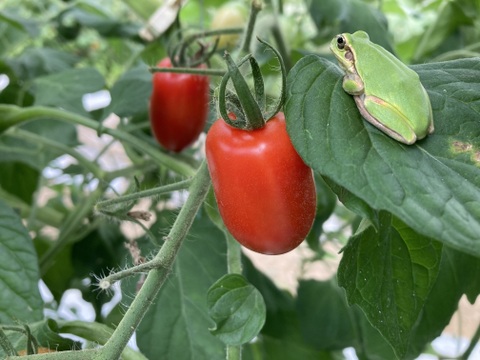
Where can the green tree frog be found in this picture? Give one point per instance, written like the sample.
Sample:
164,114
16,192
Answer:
388,94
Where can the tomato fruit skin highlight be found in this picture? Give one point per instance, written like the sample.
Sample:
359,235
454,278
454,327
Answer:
178,107
264,191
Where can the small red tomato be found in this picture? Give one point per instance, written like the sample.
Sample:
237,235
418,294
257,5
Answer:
178,107
264,191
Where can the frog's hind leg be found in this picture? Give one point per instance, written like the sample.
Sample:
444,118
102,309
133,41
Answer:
394,124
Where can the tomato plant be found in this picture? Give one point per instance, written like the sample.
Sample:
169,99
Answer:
89,201
265,192
178,107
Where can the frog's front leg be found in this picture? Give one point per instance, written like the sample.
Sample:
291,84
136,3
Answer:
353,84
394,123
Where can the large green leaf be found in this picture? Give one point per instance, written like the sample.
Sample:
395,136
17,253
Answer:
35,62
389,273
66,89
328,323
14,29
131,93
281,337
332,17
433,185
19,179
458,275
20,299
176,325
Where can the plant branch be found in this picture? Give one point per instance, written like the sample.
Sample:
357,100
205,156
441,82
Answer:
86,163
255,8
96,332
142,194
15,115
234,262
156,277
234,255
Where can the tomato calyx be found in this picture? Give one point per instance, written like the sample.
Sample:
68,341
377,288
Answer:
249,110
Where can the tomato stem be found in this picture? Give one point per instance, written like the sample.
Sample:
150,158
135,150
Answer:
234,254
234,352
255,8
164,259
101,205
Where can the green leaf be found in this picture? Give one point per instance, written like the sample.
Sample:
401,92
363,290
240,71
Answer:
451,16
389,273
433,185
66,89
176,325
326,201
46,332
324,315
458,275
15,149
328,323
271,348
19,179
131,93
20,300
94,16
13,30
237,308
281,337
36,62
332,17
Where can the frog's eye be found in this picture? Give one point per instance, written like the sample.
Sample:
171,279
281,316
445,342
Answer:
341,42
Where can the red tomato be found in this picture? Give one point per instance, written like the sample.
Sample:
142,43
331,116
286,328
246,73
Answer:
264,191
178,107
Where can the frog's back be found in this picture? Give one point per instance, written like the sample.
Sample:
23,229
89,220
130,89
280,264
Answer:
391,79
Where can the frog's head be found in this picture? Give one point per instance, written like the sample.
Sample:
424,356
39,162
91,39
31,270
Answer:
343,47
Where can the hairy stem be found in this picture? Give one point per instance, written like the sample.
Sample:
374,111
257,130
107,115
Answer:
156,277
234,258
255,8
142,194
234,255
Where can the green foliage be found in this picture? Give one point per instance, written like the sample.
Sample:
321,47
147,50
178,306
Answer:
237,308
20,299
420,184
402,222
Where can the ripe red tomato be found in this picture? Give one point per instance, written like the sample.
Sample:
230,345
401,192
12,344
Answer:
178,107
264,191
